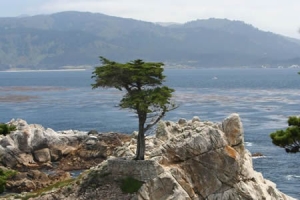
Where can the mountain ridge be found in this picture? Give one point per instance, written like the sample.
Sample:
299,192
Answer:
78,38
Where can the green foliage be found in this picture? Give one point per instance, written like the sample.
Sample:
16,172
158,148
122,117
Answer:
130,185
289,138
294,121
145,93
6,129
4,175
141,80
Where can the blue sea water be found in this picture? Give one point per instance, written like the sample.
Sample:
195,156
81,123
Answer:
264,98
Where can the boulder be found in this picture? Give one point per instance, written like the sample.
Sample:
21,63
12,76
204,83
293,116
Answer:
7,141
42,155
22,139
164,187
59,176
9,159
93,132
182,121
27,160
233,129
257,154
196,119
39,140
56,153
161,132
91,142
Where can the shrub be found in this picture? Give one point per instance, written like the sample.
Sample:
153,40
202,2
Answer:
130,185
4,175
6,129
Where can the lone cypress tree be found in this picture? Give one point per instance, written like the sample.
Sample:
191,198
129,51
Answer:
145,93
289,138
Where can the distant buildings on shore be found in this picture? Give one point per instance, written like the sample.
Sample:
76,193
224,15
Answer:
281,67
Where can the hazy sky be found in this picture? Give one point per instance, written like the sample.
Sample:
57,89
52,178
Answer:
279,16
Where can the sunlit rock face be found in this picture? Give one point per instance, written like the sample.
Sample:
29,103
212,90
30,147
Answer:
203,160
188,159
32,143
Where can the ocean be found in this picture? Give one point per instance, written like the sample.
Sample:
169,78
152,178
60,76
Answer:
264,99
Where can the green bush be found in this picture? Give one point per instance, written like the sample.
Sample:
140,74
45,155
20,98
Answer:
4,175
130,185
6,129
2,185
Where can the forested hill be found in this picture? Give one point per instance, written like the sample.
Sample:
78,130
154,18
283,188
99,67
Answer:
79,38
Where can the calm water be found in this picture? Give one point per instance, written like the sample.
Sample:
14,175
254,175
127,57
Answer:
264,98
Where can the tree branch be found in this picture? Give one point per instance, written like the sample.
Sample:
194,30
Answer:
157,120
160,117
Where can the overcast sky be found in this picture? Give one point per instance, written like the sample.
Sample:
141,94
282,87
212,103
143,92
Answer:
279,16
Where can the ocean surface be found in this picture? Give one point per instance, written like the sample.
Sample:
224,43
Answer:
264,99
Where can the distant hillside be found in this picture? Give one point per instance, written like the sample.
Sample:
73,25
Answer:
79,38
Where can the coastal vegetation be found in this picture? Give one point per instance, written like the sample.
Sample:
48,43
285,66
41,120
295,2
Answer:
290,137
145,94
4,175
66,183
130,185
6,129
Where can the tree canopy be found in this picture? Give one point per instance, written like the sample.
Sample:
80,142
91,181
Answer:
289,138
145,93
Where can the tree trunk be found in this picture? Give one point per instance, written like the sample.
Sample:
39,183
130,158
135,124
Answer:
140,150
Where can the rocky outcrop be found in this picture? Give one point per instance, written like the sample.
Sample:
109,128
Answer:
33,146
190,159
93,151
207,161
